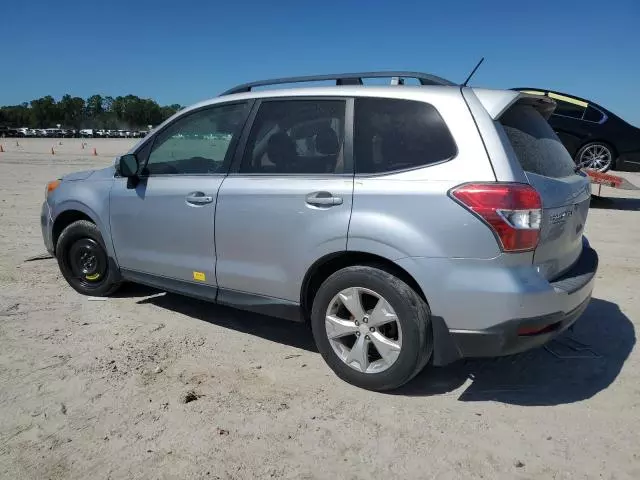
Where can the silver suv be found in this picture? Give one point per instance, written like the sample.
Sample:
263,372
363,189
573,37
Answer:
407,224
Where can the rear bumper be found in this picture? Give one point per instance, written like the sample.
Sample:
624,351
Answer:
521,334
505,340
629,161
493,307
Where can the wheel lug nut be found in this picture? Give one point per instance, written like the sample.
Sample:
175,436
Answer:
365,319
372,329
357,334
357,323
366,337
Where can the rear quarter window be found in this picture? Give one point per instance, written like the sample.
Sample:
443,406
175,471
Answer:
593,115
392,134
538,148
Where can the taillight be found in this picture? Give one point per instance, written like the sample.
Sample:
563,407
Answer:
512,210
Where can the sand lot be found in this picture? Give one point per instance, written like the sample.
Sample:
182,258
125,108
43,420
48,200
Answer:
95,389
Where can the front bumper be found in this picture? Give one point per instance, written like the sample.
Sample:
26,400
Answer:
46,224
518,335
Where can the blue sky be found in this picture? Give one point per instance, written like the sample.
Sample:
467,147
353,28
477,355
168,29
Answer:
183,52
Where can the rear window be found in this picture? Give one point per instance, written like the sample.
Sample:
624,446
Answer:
538,148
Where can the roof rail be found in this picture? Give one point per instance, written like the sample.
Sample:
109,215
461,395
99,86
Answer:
342,79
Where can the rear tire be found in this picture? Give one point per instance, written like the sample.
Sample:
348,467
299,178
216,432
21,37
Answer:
597,156
84,262
395,348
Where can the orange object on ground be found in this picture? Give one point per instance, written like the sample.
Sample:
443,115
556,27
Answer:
95,152
608,180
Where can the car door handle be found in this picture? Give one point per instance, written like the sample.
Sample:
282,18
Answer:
323,199
198,198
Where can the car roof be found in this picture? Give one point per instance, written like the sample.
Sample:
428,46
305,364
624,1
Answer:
408,92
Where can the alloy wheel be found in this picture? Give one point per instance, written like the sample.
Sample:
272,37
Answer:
596,157
363,330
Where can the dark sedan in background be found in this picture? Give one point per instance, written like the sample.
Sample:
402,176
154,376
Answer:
595,137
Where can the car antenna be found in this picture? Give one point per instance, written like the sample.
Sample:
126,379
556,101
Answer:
472,72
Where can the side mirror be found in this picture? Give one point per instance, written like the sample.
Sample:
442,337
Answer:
128,165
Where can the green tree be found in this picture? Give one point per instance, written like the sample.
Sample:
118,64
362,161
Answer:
15,116
44,112
124,112
94,109
72,111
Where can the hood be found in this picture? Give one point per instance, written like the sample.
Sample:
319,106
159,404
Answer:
100,174
78,175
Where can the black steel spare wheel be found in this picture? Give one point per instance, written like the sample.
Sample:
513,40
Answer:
87,262
84,261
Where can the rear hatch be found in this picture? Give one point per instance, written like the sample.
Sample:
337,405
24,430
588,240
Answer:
551,171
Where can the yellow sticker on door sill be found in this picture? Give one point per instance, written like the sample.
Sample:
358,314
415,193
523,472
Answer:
200,276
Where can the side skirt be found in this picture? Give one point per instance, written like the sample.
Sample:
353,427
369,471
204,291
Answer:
272,307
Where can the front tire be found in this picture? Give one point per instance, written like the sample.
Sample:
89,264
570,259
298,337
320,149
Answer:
83,260
372,329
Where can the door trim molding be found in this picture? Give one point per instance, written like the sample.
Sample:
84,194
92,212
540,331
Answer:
272,307
269,306
190,289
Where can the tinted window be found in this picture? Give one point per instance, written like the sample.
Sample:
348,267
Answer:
536,145
593,115
197,143
296,136
398,134
567,109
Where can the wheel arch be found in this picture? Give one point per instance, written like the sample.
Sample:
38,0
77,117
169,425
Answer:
445,350
331,263
64,219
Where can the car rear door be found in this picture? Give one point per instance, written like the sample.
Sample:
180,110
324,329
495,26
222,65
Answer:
551,171
288,200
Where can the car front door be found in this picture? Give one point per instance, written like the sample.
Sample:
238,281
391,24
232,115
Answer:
287,201
163,226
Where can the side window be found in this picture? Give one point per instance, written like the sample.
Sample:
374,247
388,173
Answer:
567,109
593,115
197,143
296,136
399,134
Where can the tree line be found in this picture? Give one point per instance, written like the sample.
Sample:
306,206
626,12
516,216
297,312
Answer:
129,112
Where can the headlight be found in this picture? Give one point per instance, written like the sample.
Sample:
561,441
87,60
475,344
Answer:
51,186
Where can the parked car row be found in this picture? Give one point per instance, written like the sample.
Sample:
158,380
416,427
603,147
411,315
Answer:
90,132
70,133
